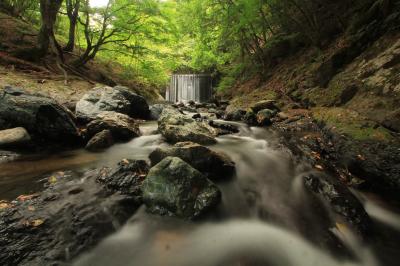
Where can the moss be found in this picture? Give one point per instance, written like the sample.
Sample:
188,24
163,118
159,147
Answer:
247,100
350,123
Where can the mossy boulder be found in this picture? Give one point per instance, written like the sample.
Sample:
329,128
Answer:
177,127
265,116
235,115
250,118
122,127
214,165
174,188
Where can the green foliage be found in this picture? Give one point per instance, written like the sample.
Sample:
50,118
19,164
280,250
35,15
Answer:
233,39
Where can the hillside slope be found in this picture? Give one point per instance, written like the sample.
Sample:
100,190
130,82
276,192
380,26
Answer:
335,81
46,77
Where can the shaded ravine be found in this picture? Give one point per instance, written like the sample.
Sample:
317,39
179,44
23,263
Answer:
266,216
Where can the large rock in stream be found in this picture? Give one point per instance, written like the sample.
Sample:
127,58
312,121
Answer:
118,99
42,117
177,127
340,199
100,141
14,137
174,188
122,127
71,216
214,165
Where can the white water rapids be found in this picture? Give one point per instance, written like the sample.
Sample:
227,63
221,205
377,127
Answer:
266,218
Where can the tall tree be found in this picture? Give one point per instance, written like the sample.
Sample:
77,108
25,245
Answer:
72,13
115,24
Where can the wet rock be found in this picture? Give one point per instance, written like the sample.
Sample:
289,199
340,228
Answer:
211,105
42,117
174,188
250,118
13,138
235,115
200,105
224,127
118,99
196,116
65,220
214,165
341,200
8,156
281,116
187,109
122,127
177,127
267,104
100,141
156,110
126,178
392,121
220,114
265,116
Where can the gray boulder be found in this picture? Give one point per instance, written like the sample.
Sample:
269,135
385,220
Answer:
235,115
177,127
213,164
122,127
15,137
174,188
156,110
100,141
42,117
119,99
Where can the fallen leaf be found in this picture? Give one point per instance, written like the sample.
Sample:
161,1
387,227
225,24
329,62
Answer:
52,179
27,197
319,167
316,155
33,223
5,205
37,222
343,228
362,158
125,161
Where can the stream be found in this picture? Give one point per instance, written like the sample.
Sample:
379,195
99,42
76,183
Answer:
266,217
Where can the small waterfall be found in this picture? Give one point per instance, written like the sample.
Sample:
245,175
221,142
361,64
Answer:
189,87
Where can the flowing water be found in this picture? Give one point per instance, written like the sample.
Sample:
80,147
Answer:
266,216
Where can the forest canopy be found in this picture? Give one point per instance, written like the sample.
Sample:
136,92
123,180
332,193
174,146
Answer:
152,38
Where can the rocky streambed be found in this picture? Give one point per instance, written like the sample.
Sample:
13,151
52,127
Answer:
200,184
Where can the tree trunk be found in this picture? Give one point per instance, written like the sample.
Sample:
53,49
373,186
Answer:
48,10
73,12
71,37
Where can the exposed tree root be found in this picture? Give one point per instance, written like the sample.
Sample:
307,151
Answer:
7,59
